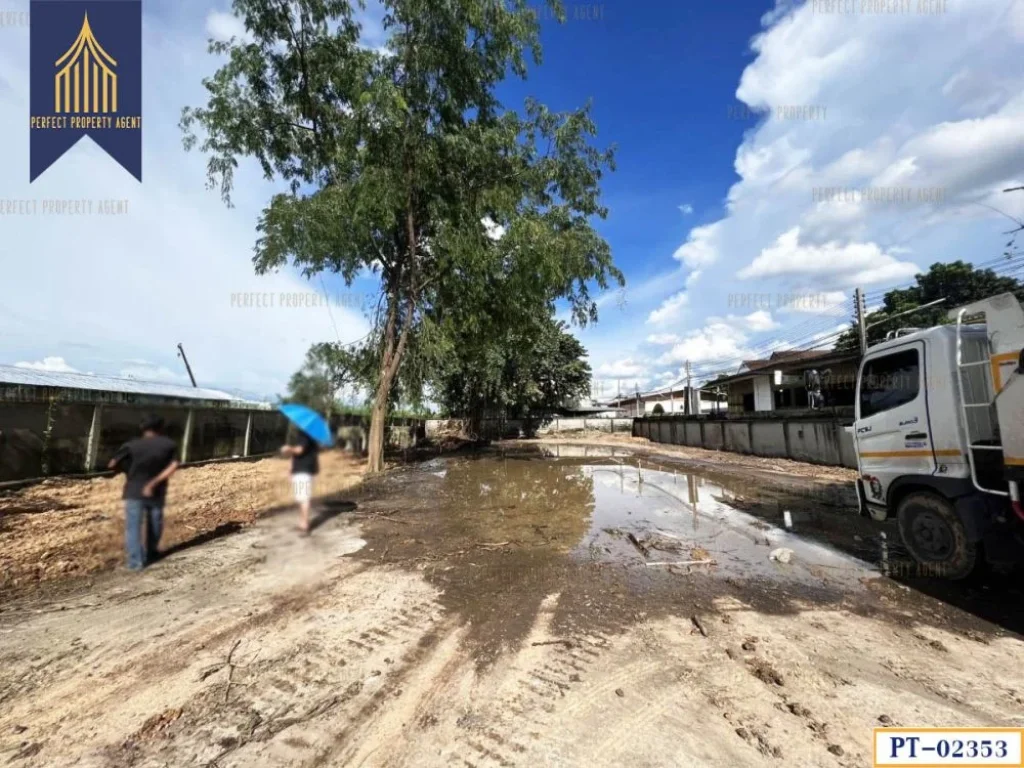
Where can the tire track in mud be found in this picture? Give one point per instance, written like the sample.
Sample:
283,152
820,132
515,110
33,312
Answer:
291,676
650,706
433,648
541,688
346,661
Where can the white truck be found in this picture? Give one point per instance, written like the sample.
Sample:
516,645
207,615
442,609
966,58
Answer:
939,434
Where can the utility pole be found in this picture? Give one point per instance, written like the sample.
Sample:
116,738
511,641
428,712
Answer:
181,351
688,406
862,327
636,385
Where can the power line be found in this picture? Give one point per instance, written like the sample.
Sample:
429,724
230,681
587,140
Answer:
811,333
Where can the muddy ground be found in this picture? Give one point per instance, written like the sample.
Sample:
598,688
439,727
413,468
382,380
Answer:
563,605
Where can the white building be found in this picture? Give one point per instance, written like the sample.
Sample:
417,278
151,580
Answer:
670,401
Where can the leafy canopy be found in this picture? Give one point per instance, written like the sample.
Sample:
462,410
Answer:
531,369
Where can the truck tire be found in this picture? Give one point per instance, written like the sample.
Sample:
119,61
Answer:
933,533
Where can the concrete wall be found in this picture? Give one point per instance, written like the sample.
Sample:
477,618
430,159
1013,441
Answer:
737,437
810,436
43,437
714,435
693,433
769,438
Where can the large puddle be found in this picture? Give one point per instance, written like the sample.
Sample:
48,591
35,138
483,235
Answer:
618,537
604,505
684,518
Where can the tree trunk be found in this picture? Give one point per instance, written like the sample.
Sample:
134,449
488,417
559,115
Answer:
391,355
390,361
378,417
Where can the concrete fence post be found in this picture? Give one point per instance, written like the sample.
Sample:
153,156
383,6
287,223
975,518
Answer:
248,433
186,437
92,446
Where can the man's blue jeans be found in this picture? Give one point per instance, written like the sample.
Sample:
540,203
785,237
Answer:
139,513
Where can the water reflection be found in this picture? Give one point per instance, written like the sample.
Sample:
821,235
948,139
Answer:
688,508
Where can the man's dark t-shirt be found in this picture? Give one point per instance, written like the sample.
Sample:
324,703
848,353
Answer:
309,461
142,459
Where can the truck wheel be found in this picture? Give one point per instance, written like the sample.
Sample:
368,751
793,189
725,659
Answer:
933,533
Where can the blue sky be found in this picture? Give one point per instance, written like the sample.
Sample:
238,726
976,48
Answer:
729,229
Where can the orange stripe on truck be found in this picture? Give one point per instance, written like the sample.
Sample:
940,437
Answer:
997,362
911,454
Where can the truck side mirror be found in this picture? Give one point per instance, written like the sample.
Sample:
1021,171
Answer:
1020,362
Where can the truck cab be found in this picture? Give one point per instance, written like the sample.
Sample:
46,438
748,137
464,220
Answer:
939,434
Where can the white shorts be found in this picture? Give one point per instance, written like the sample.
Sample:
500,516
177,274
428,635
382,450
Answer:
302,486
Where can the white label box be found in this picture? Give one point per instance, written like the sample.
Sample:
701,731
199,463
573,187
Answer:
964,747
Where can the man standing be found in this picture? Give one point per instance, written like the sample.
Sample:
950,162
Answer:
148,462
305,453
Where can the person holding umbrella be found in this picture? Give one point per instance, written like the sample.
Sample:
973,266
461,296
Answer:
304,449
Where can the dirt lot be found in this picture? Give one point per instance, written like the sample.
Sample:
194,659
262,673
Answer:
703,457
65,527
500,609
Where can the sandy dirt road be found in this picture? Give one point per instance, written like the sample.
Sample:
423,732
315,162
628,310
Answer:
494,610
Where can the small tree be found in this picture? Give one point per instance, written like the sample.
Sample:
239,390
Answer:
404,163
958,282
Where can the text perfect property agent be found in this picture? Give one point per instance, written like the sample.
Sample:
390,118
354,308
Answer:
88,122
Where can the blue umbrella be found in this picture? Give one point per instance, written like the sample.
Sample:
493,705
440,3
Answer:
309,421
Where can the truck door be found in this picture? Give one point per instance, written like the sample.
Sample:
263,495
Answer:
892,429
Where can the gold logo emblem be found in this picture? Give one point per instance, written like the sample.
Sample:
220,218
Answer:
85,81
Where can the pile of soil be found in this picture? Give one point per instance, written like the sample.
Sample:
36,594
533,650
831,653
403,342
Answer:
65,527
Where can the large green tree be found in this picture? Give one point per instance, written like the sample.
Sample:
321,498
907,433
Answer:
957,282
528,369
403,161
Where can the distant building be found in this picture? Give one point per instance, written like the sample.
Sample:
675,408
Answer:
589,408
669,401
780,382
27,384
60,423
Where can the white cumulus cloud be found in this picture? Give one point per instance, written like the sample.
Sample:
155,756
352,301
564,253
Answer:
671,309
831,263
51,364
